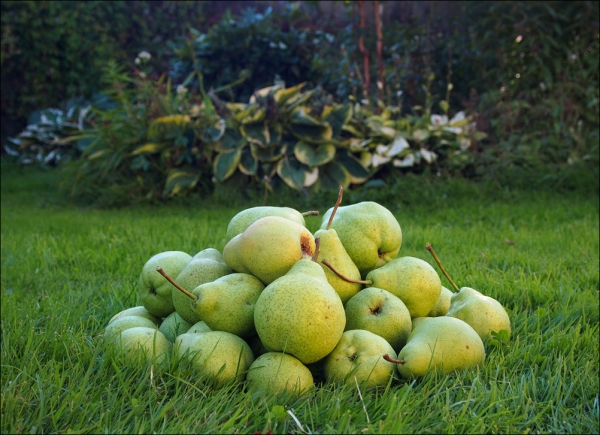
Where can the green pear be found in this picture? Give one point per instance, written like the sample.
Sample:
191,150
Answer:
369,232
141,344
245,218
443,344
300,313
154,289
220,356
136,311
174,325
442,305
380,312
198,328
483,313
227,303
274,372
417,321
269,248
358,358
332,251
206,266
122,323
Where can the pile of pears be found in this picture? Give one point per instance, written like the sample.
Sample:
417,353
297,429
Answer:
282,306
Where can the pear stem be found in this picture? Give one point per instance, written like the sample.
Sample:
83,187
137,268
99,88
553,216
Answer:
356,281
392,360
177,286
310,213
317,249
335,207
439,263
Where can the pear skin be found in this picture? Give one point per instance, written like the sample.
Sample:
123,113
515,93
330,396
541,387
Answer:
443,344
245,218
274,372
442,305
269,248
483,313
300,313
369,232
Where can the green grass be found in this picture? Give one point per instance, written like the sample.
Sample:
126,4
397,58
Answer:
66,271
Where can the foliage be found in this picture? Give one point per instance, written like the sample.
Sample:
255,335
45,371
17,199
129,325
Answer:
263,53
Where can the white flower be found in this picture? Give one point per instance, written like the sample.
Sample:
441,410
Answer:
439,120
144,55
442,121
379,160
137,60
181,90
429,156
542,86
406,162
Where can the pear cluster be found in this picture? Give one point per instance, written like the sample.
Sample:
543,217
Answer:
281,306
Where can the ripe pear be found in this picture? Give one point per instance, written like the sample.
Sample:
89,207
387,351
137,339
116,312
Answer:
300,313
126,322
198,328
269,248
483,313
274,372
136,311
441,343
358,357
380,312
174,325
206,266
417,321
332,250
153,288
141,344
220,356
442,305
245,218
369,232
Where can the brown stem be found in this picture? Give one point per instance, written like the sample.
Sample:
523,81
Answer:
310,213
363,50
177,286
317,249
356,281
439,263
335,207
392,360
377,6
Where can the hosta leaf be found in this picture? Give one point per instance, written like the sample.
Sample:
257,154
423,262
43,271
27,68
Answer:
268,155
332,175
283,95
276,133
256,133
248,163
264,92
312,155
298,100
337,116
311,177
292,172
149,148
236,107
231,141
253,113
357,172
420,135
178,180
300,116
311,133
225,165
352,130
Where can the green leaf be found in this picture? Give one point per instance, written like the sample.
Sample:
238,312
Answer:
292,172
312,155
298,100
231,141
276,133
178,180
264,92
248,163
337,116
420,135
149,148
267,155
357,172
257,134
332,175
283,95
225,165
252,114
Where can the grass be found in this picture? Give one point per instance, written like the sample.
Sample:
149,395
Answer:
66,271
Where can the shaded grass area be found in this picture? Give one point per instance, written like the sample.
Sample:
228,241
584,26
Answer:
66,271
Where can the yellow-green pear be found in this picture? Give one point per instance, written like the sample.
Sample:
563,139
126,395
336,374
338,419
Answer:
269,248
198,328
443,344
300,313
174,325
154,290
416,321
206,266
136,311
274,372
141,344
332,250
483,313
245,218
442,305
126,322
369,232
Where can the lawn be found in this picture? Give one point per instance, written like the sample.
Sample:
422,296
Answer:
67,270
